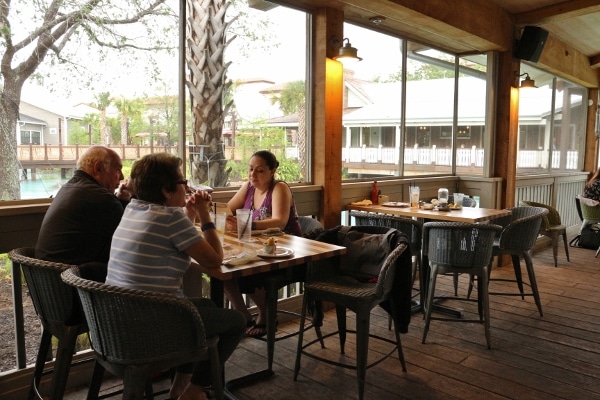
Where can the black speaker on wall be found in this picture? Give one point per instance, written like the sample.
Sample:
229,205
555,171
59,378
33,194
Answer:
531,44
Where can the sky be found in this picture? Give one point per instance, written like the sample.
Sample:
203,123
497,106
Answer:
281,64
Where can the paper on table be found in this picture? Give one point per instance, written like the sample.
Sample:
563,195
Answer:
268,231
364,202
248,258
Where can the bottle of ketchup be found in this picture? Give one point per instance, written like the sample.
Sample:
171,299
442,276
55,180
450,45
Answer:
374,193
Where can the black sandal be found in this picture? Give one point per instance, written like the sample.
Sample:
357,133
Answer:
259,329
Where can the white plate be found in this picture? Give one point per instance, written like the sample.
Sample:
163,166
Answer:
279,252
395,204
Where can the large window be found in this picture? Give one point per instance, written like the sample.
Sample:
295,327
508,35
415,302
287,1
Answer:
444,127
552,120
132,104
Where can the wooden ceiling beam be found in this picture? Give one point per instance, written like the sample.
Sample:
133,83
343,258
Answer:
465,27
564,60
557,12
595,61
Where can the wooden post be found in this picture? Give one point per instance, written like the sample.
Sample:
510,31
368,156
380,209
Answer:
327,129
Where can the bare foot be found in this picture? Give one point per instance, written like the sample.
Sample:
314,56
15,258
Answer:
193,392
180,382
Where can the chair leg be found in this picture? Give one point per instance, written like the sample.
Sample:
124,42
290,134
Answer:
564,235
532,280
484,300
555,249
64,355
96,382
317,320
400,351
300,336
455,281
134,383
217,373
428,306
271,300
362,349
40,361
517,267
341,322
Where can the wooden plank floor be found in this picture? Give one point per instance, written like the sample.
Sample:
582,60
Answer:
556,356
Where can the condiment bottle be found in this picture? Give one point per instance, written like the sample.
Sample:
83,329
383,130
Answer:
374,193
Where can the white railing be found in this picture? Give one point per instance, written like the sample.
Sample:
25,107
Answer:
465,157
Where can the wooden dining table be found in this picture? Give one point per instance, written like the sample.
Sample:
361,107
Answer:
471,215
292,251
465,214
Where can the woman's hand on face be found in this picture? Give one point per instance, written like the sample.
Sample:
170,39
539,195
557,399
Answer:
199,201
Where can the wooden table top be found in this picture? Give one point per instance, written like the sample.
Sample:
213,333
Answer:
465,214
304,250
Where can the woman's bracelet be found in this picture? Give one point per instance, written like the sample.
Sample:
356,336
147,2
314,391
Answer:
208,225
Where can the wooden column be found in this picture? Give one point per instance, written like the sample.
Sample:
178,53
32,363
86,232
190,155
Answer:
327,112
507,128
591,142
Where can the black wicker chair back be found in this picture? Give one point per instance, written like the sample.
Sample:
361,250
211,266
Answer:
136,334
59,310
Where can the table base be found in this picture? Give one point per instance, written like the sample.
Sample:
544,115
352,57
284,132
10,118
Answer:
246,380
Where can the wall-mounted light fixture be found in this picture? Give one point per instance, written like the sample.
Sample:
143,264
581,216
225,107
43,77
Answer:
527,82
347,54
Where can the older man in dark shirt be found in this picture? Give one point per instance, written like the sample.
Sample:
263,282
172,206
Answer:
83,216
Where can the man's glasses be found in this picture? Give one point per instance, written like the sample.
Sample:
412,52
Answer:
182,182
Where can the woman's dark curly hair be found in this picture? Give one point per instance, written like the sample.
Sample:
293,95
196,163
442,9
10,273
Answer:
153,173
269,158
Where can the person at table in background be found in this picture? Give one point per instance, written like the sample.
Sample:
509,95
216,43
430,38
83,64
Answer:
151,250
592,187
272,206
82,218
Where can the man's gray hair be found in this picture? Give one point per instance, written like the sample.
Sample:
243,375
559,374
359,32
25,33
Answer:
92,155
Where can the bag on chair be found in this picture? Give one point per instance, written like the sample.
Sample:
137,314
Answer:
588,238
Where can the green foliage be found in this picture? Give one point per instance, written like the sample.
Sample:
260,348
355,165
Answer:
4,266
292,97
256,138
127,164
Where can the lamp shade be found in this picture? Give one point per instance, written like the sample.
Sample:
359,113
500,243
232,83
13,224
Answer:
347,53
527,83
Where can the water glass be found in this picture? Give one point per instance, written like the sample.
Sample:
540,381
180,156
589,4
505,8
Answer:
458,199
244,224
414,196
220,219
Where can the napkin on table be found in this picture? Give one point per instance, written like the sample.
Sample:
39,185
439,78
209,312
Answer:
248,258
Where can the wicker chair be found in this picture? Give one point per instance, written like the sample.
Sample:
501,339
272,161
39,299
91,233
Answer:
391,289
59,310
454,247
519,233
136,334
311,228
551,227
589,215
411,227
467,201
